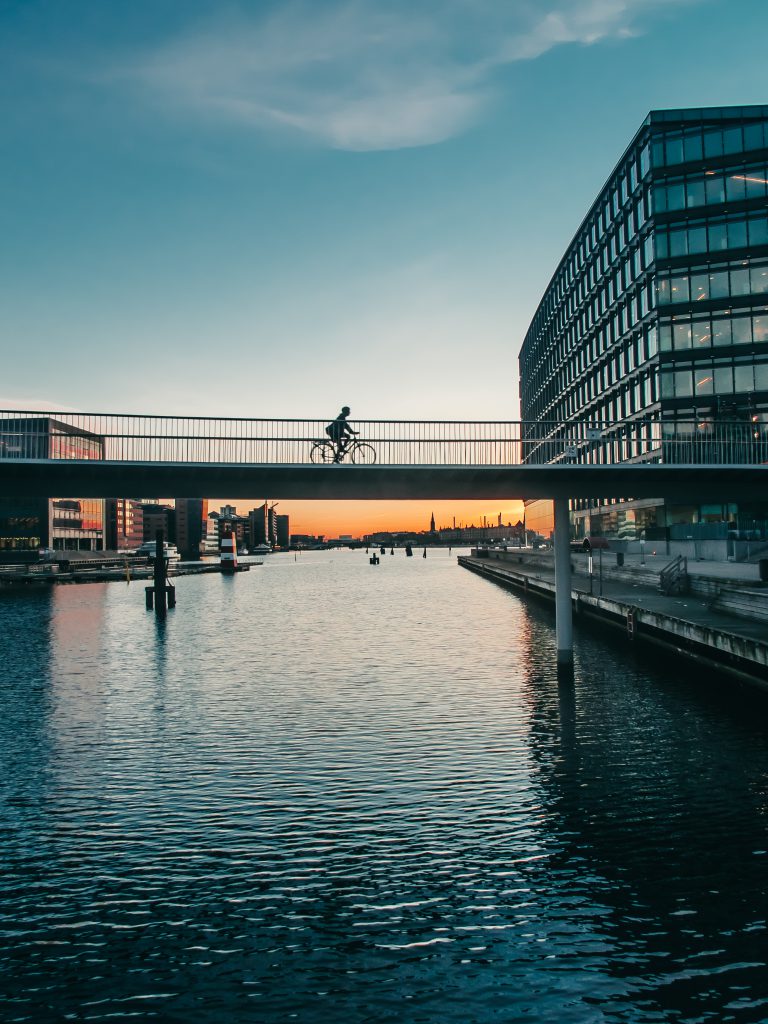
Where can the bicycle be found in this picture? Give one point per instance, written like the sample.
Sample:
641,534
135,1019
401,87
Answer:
359,452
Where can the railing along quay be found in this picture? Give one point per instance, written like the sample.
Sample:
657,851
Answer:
36,435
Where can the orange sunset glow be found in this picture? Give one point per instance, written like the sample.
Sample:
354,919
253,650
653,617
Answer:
356,518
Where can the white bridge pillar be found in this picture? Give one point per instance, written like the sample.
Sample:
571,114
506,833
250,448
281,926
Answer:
563,605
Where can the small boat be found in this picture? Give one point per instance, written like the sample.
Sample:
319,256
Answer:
149,547
261,549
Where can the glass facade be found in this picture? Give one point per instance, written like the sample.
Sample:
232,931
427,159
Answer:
69,524
659,307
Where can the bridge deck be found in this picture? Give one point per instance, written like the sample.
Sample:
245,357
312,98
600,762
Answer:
104,478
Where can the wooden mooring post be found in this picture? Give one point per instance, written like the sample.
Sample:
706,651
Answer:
162,595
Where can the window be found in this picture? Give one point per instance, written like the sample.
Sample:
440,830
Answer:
737,234
678,243
754,182
721,332
758,279
695,194
713,143
724,380
741,327
675,196
761,376
645,160
701,334
760,328
732,140
744,378
679,289
734,187
703,380
718,238
674,148
714,188
718,285
740,282
697,239
652,345
667,384
692,146
754,137
758,231
683,384
699,287
681,333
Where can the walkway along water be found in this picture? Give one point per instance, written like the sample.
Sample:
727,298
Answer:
693,624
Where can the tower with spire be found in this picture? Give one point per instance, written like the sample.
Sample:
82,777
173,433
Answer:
432,523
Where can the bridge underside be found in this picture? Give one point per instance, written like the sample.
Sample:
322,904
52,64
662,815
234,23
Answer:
96,479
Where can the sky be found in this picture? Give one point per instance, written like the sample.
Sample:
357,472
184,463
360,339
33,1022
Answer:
271,209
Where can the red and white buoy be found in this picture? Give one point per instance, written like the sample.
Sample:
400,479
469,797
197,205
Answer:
228,552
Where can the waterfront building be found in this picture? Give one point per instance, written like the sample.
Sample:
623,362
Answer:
659,308
228,520
191,516
64,524
158,517
124,524
262,525
283,527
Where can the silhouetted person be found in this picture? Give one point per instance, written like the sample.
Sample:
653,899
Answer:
340,432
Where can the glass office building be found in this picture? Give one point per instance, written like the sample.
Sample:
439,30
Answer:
64,524
659,308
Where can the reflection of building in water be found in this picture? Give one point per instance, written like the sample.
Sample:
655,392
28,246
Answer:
67,524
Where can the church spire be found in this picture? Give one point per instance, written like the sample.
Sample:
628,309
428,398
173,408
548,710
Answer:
432,523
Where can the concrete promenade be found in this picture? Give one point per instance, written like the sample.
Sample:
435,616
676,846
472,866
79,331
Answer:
722,621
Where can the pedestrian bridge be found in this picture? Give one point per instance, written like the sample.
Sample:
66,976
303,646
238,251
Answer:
48,454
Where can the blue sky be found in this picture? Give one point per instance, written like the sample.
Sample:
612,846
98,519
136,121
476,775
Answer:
271,209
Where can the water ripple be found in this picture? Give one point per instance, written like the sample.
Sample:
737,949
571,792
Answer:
321,792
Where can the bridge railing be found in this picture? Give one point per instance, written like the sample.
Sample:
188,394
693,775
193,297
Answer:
132,438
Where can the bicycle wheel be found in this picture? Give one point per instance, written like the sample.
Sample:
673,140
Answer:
322,451
363,454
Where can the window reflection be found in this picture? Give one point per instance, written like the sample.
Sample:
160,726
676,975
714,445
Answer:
702,334
683,384
741,327
740,282
704,381
724,380
744,378
714,189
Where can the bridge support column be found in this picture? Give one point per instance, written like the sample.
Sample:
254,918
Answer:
563,606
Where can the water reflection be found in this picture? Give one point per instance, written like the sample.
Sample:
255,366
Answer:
321,792
662,816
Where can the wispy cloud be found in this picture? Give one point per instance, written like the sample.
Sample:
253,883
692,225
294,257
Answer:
34,405
362,75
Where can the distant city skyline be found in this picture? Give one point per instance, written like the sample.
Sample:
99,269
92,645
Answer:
275,209
332,518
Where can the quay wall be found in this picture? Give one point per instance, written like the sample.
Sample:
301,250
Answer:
717,647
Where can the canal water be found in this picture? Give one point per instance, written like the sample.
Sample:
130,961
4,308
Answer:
326,791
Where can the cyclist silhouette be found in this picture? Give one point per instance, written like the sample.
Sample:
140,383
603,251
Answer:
340,433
